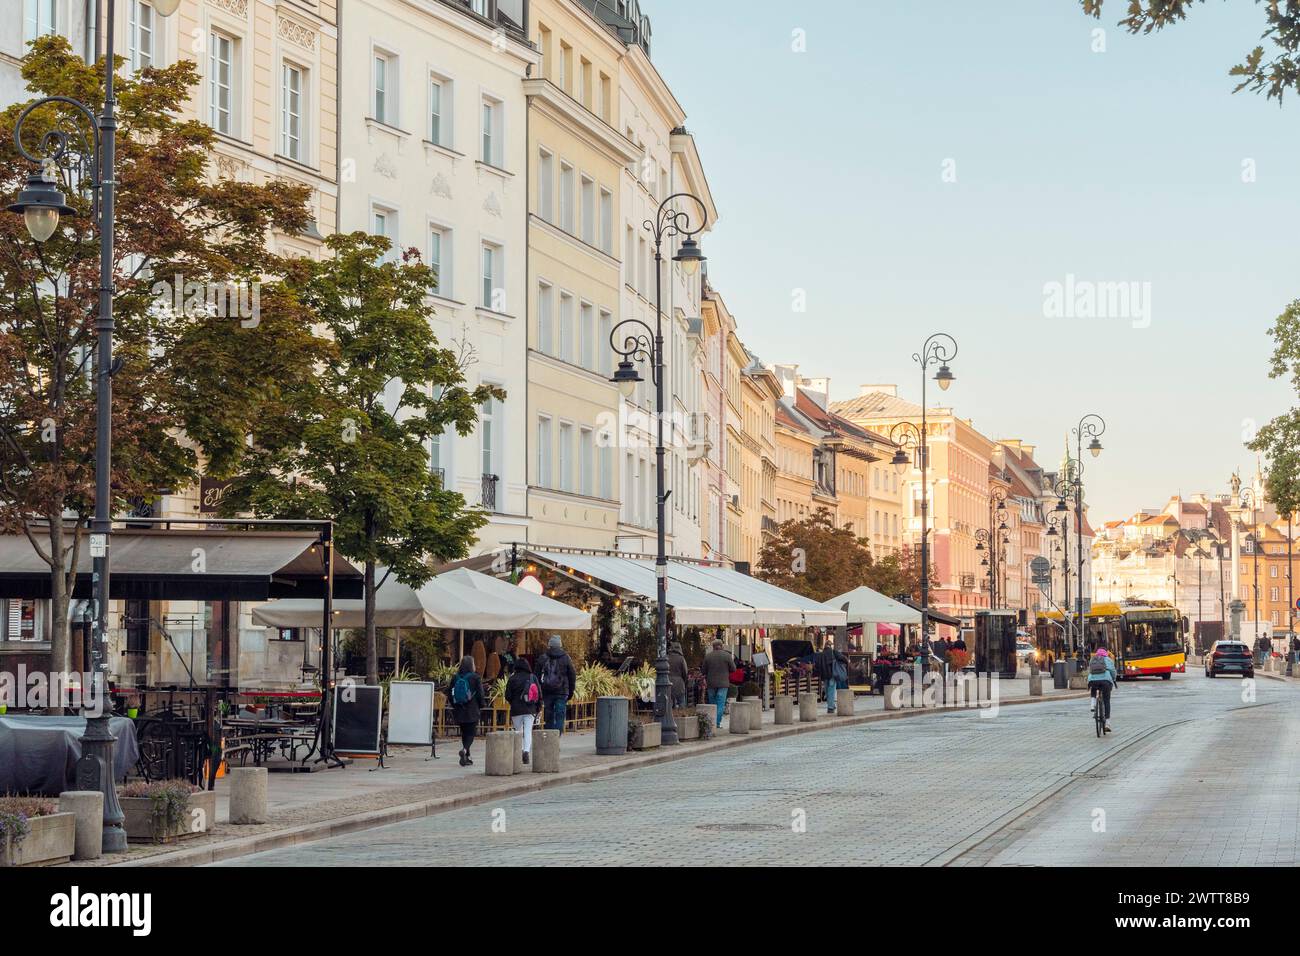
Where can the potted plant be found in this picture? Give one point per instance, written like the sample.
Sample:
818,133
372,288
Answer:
33,832
166,810
748,690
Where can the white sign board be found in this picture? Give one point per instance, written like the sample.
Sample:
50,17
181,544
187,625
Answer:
410,713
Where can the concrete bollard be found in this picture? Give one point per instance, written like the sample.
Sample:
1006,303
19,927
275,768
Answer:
844,701
1079,680
546,751
519,751
755,714
807,707
784,709
88,805
738,720
500,758
248,802
894,697
1035,684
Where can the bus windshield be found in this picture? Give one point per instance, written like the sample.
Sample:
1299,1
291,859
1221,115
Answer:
1152,637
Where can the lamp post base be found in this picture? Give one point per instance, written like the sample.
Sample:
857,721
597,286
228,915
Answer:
95,772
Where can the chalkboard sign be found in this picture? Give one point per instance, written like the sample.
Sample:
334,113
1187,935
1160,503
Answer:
358,712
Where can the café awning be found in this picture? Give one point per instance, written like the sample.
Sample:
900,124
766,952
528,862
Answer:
871,607
691,605
184,565
773,606
459,599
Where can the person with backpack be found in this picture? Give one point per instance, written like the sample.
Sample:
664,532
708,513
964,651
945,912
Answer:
466,696
1101,680
718,665
559,680
524,695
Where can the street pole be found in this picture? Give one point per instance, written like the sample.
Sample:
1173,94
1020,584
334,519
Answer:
1290,598
942,348
1093,426
648,345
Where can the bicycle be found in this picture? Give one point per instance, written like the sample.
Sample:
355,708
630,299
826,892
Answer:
1099,714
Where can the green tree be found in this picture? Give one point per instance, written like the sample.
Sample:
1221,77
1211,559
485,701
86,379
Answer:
186,371
337,448
1282,26
1279,440
814,558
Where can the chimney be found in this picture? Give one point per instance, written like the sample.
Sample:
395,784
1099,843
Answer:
788,376
890,390
818,389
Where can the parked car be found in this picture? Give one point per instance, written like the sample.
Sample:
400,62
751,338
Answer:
1229,657
1024,650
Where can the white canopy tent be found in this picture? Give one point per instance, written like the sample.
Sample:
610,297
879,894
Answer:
460,599
871,607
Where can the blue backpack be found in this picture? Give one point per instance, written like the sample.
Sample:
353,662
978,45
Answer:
460,691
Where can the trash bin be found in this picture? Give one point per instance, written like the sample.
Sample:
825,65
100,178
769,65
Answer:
611,725
1061,674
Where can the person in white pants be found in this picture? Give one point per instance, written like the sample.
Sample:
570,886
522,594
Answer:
524,695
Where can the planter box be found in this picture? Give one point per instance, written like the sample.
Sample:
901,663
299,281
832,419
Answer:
138,822
52,840
646,736
688,724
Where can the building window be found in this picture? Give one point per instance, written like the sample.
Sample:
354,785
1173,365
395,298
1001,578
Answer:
1272,594
440,259
566,327
493,132
588,211
544,477
607,222
565,65
544,45
38,19
545,319
494,294
584,82
606,466
18,621
587,335
139,32
221,83
565,458
383,222
441,127
605,365
568,214
604,97
291,87
546,185
488,436
384,88
586,461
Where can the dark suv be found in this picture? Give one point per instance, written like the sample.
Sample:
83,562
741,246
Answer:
1229,657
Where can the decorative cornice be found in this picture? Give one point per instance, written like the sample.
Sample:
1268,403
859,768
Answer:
238,7
296,33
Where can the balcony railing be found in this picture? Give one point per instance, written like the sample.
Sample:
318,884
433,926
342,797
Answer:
769,525
488,495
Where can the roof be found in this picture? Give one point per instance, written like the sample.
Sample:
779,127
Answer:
876,405
832,422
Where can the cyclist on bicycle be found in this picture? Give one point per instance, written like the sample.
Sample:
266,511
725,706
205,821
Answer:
1101,681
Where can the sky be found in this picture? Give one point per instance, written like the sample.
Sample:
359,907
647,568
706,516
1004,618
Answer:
924,167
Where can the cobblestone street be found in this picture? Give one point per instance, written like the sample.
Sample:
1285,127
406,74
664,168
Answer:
1026,787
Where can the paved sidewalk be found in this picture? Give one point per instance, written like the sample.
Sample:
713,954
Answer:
307,807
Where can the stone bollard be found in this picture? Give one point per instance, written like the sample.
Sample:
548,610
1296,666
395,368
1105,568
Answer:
738,720
893,697
546,751
784,709
755,714
248,795
1079,680
844,701
500,758
519,751
1035,684
807,707
88,805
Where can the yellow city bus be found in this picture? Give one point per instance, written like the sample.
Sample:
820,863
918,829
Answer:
1146,641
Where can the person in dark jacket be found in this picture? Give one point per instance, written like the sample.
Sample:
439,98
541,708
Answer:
559,681
524,695
466,696
718,665
677,673
824,665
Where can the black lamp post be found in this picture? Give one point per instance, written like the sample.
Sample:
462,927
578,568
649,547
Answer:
1248,501
640,343
1091,427
42,206
1067,485
940,348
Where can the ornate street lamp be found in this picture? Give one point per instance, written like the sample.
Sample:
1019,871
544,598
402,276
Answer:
1091,427
638,342
42,207
1248,501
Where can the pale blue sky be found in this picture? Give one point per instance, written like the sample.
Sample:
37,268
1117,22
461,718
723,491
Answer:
1117,166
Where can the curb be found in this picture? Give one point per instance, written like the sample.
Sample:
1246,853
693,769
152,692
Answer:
312,832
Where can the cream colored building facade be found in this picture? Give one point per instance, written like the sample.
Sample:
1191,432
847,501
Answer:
435,157
576,159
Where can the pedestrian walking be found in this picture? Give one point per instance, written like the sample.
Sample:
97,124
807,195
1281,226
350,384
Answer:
466,694
559,680
831,667
524,694
677,673
718,665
